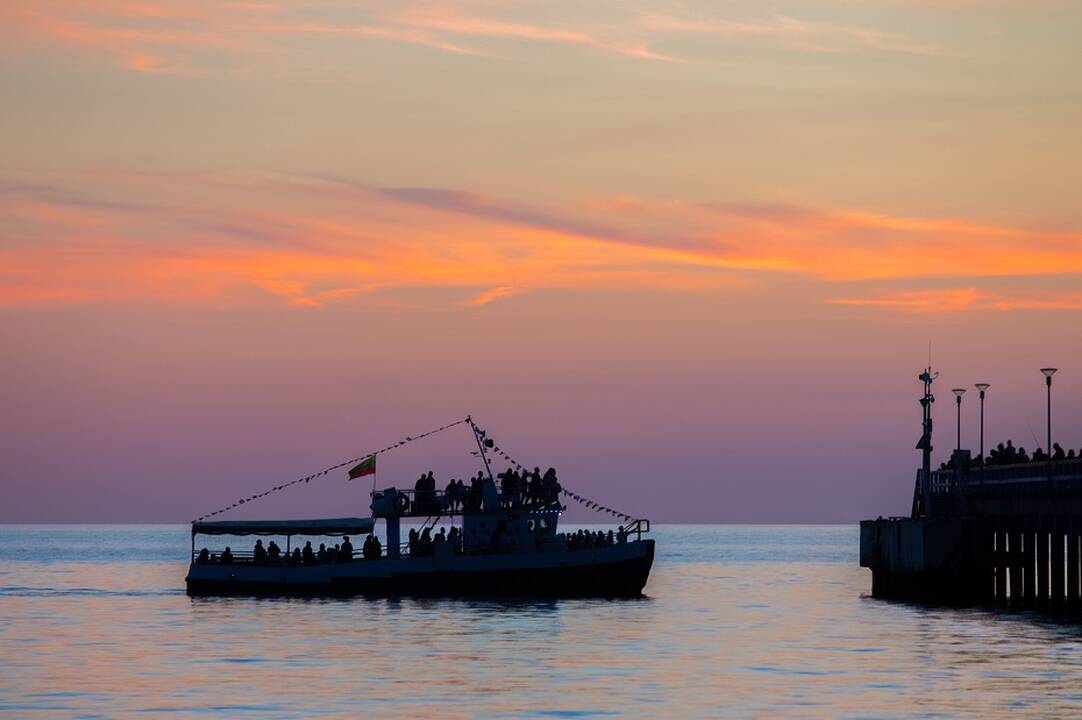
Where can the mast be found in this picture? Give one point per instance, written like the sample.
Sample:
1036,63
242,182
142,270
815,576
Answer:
925,442
482,443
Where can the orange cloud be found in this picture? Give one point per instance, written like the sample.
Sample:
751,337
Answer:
312,241
939,302
195,37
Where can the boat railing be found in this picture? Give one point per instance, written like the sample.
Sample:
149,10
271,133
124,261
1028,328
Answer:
247,557
440,502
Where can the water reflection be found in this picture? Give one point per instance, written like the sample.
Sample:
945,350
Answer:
730,628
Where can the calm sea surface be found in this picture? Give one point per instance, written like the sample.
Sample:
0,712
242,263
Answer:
739,621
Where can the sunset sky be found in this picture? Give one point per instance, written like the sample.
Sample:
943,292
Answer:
691,254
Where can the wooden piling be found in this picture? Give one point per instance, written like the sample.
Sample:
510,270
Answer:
1014,547
1042,567
1072,568
1057,592
1002,562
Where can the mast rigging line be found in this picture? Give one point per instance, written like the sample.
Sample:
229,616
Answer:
309,478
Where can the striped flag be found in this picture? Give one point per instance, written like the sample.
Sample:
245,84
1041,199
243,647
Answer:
364,467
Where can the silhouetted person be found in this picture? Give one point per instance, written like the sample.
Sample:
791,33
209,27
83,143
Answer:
1070,454
346,552
273,551
204,555
425,543
413,541
322,554
371,549
455,539
1021,456
295,558
227,557
1057,452
308,555
259,554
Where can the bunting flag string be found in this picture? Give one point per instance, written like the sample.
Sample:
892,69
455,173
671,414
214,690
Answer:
589,504
309,478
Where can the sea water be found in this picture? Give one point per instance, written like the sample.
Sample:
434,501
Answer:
737,621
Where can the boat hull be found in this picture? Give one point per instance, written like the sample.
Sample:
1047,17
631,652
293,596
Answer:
613,571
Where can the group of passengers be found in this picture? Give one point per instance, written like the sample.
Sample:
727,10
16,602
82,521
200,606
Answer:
1010,455
516,489
529,488
422,544
588,539
271,554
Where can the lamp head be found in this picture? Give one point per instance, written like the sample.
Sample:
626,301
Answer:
958,393
1048,373
983,386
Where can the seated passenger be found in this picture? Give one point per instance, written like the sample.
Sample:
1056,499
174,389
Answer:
1058,453
227,557
295,558
321,556
273,551
204,554
424,545
1070,454
308,556
259,554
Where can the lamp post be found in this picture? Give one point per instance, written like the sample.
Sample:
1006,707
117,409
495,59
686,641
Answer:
1048,373
958,393
982,387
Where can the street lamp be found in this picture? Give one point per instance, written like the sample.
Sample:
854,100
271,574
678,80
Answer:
1048,373
958,393
982,387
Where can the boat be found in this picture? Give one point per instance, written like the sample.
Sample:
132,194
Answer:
504,541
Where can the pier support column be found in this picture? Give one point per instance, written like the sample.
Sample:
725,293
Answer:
1002,561
1029,564
1042,567
1072,568
1014,577
1057,593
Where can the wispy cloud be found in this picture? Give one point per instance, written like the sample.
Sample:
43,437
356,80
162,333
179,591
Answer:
313,241
954,300
195,37
795,33
490,295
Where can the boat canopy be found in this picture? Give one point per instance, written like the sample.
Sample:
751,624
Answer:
331,526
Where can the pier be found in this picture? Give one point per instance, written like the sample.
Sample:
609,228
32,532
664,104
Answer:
978,534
